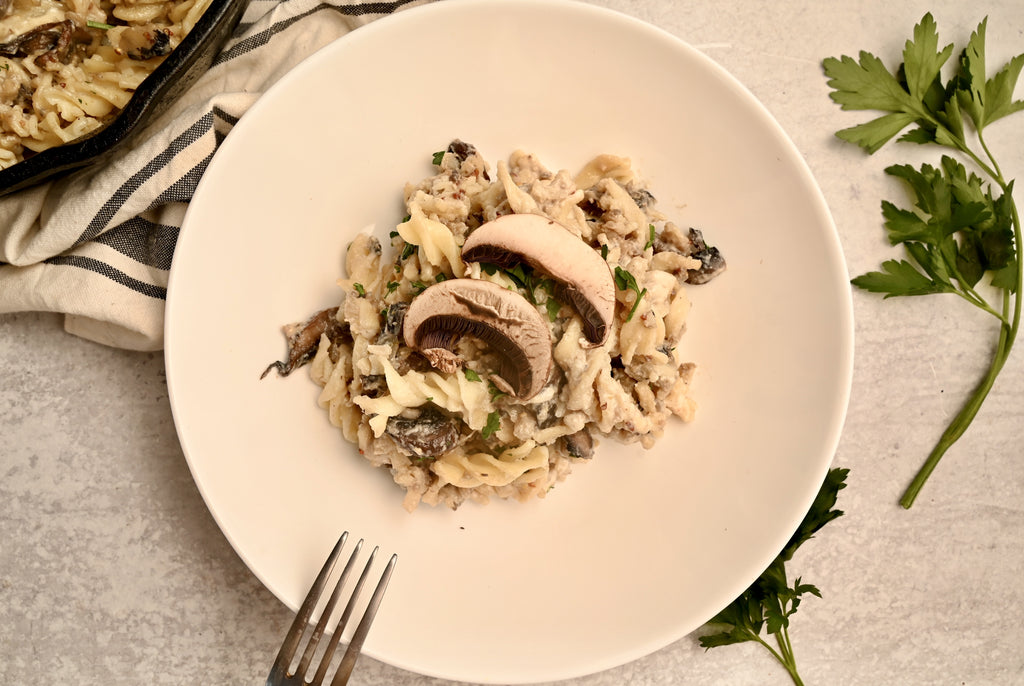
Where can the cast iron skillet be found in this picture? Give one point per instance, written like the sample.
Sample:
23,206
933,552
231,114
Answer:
183,66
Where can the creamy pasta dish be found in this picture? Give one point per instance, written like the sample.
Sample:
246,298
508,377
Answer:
513,319
67,67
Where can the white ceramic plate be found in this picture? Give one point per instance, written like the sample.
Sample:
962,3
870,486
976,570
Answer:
635,549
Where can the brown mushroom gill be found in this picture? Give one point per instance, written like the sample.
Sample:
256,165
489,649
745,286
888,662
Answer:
510,326
583,278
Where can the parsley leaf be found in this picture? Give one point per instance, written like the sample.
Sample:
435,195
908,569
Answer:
964,225
471,375
898,277
408,250
495,392
625,281
492,425
770,602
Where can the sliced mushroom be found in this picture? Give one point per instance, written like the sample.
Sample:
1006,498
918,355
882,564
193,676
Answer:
304,339
583,277
512,327
49,42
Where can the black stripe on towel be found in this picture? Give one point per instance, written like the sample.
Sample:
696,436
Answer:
102,219
111,273
263,37
144,241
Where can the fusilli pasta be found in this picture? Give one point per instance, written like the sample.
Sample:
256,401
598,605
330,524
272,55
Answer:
454,431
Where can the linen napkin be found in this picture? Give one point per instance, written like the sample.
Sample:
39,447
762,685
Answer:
96,246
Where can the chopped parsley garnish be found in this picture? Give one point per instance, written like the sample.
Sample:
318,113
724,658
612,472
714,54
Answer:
650,237
471,375
360,289
492,425
495,391
438,158
553,307
625,281
526,279
98,25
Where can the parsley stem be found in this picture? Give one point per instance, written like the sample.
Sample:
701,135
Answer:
972,296
784,655
996,173
636,303
963,419
1007,335
790,663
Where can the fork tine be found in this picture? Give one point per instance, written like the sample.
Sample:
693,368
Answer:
332,645
325,616
355,646
298,627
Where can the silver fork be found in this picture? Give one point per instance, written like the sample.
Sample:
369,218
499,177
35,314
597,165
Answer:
280,674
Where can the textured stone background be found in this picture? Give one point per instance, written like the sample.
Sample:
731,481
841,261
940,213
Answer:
113,572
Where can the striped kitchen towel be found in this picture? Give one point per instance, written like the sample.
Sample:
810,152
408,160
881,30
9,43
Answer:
96,246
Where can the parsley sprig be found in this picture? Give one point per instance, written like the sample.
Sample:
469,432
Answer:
769,602
964,228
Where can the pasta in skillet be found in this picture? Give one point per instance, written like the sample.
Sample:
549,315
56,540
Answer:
513,321
68,67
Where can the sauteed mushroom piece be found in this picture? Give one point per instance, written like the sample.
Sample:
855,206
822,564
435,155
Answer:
394,315
583,277
711,261
504,320
49,42
304,339
579,444
145,42
429,434
691,244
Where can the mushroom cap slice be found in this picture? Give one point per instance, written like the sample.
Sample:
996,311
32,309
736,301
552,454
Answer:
584,279
505,320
